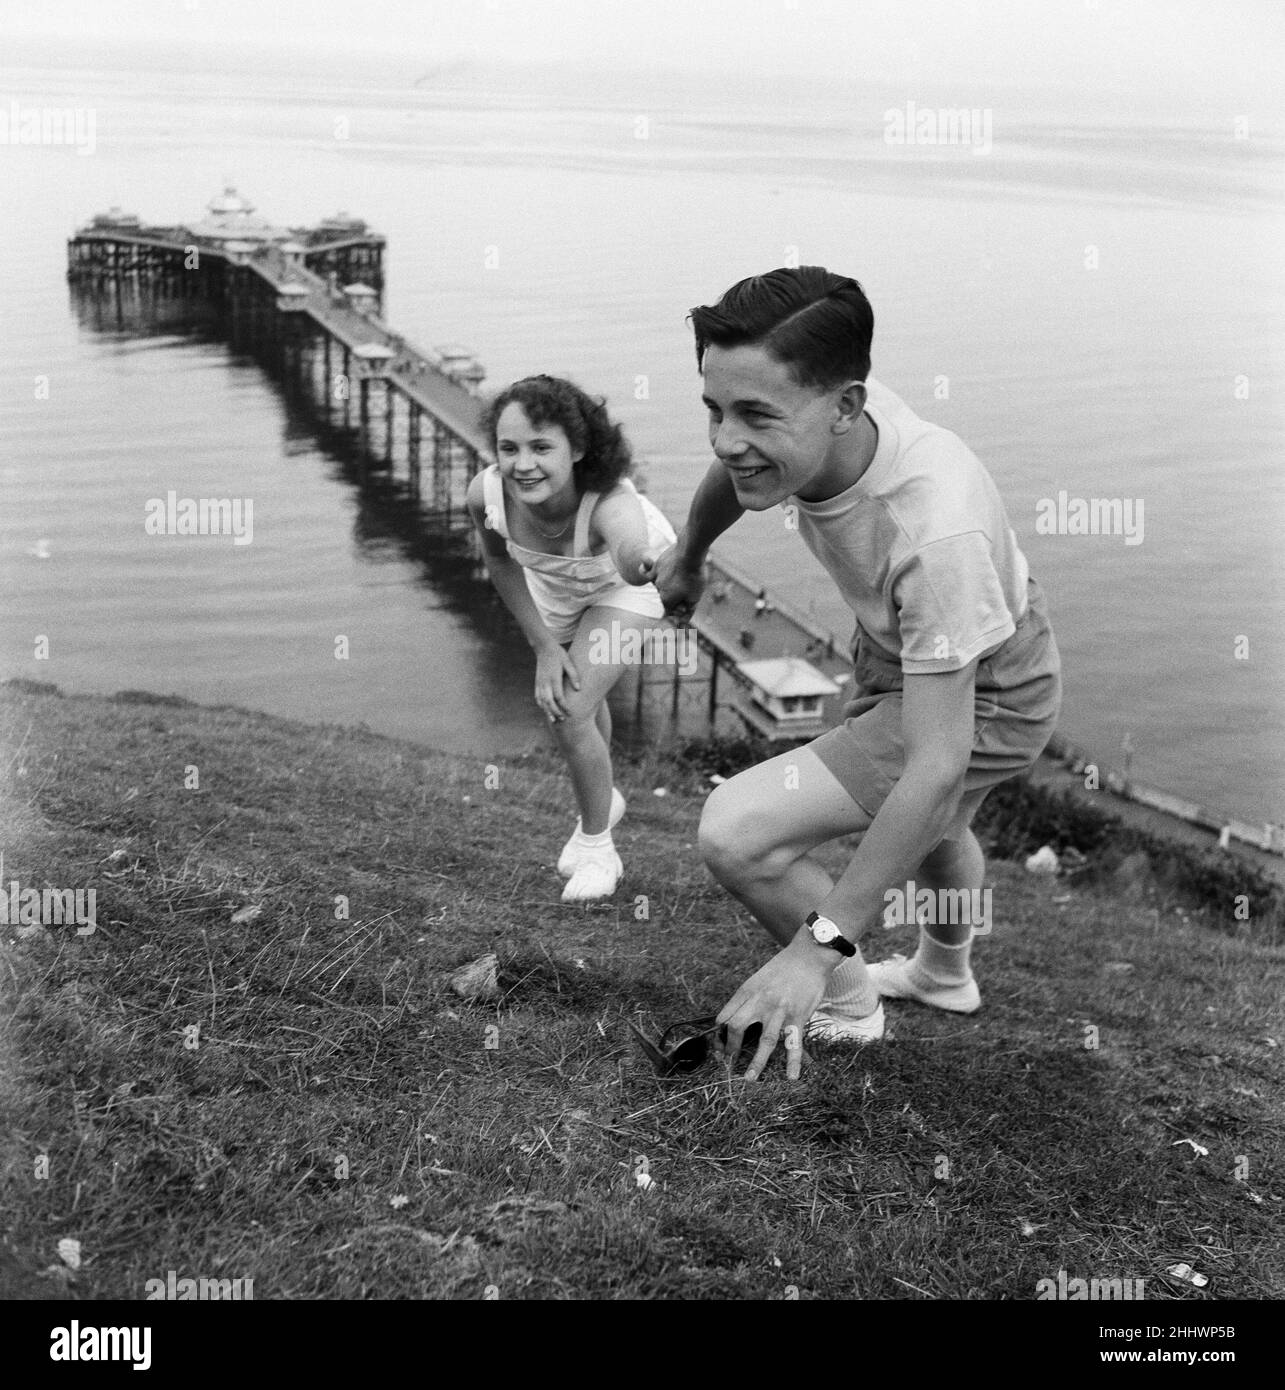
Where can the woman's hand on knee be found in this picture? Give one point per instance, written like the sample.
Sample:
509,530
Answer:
553,665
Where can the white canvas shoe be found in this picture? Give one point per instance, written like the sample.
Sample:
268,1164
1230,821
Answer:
828,1027
893,980
573,850
596,876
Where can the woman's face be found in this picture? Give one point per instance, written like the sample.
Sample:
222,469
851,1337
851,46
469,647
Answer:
536,461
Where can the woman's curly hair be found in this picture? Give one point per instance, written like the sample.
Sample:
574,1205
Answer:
551,400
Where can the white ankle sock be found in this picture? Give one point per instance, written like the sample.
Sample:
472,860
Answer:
936,963
850,990
601,841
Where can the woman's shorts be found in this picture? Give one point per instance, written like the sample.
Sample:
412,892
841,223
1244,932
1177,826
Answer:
563,621
1018,696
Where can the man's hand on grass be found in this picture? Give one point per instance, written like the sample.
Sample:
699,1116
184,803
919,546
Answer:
782,996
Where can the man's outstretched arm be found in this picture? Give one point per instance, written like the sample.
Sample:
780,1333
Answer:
678,572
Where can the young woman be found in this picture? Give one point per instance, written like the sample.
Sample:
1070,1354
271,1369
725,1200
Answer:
571,546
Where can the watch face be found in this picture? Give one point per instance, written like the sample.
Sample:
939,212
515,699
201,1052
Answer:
824,931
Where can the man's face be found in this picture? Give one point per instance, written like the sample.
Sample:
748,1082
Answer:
772,435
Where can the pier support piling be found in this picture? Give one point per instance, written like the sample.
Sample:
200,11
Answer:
347,389
412,445
363,419
389,423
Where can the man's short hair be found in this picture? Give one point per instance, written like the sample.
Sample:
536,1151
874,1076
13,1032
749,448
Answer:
814,322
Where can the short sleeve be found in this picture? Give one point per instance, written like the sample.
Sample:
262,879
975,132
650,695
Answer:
950,604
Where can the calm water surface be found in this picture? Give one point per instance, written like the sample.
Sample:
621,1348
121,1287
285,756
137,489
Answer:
1116,381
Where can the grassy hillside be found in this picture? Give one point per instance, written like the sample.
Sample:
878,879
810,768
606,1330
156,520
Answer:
296,1096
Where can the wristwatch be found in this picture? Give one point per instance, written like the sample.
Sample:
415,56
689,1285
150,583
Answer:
825,933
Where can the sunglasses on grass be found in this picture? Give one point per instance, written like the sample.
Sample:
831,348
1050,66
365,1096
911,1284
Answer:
685,1046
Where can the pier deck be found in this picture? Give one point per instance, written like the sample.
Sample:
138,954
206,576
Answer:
411,370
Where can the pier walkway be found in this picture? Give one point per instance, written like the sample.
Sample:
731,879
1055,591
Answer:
411,369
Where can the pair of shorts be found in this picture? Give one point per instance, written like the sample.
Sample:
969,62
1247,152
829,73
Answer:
1018,694
564,620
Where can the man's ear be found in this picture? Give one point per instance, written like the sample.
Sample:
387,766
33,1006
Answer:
848,407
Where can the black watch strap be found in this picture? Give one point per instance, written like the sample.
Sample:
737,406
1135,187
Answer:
840,942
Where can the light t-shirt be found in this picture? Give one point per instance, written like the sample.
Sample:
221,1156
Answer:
920,545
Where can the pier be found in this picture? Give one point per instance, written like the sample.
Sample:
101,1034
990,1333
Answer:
307,302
